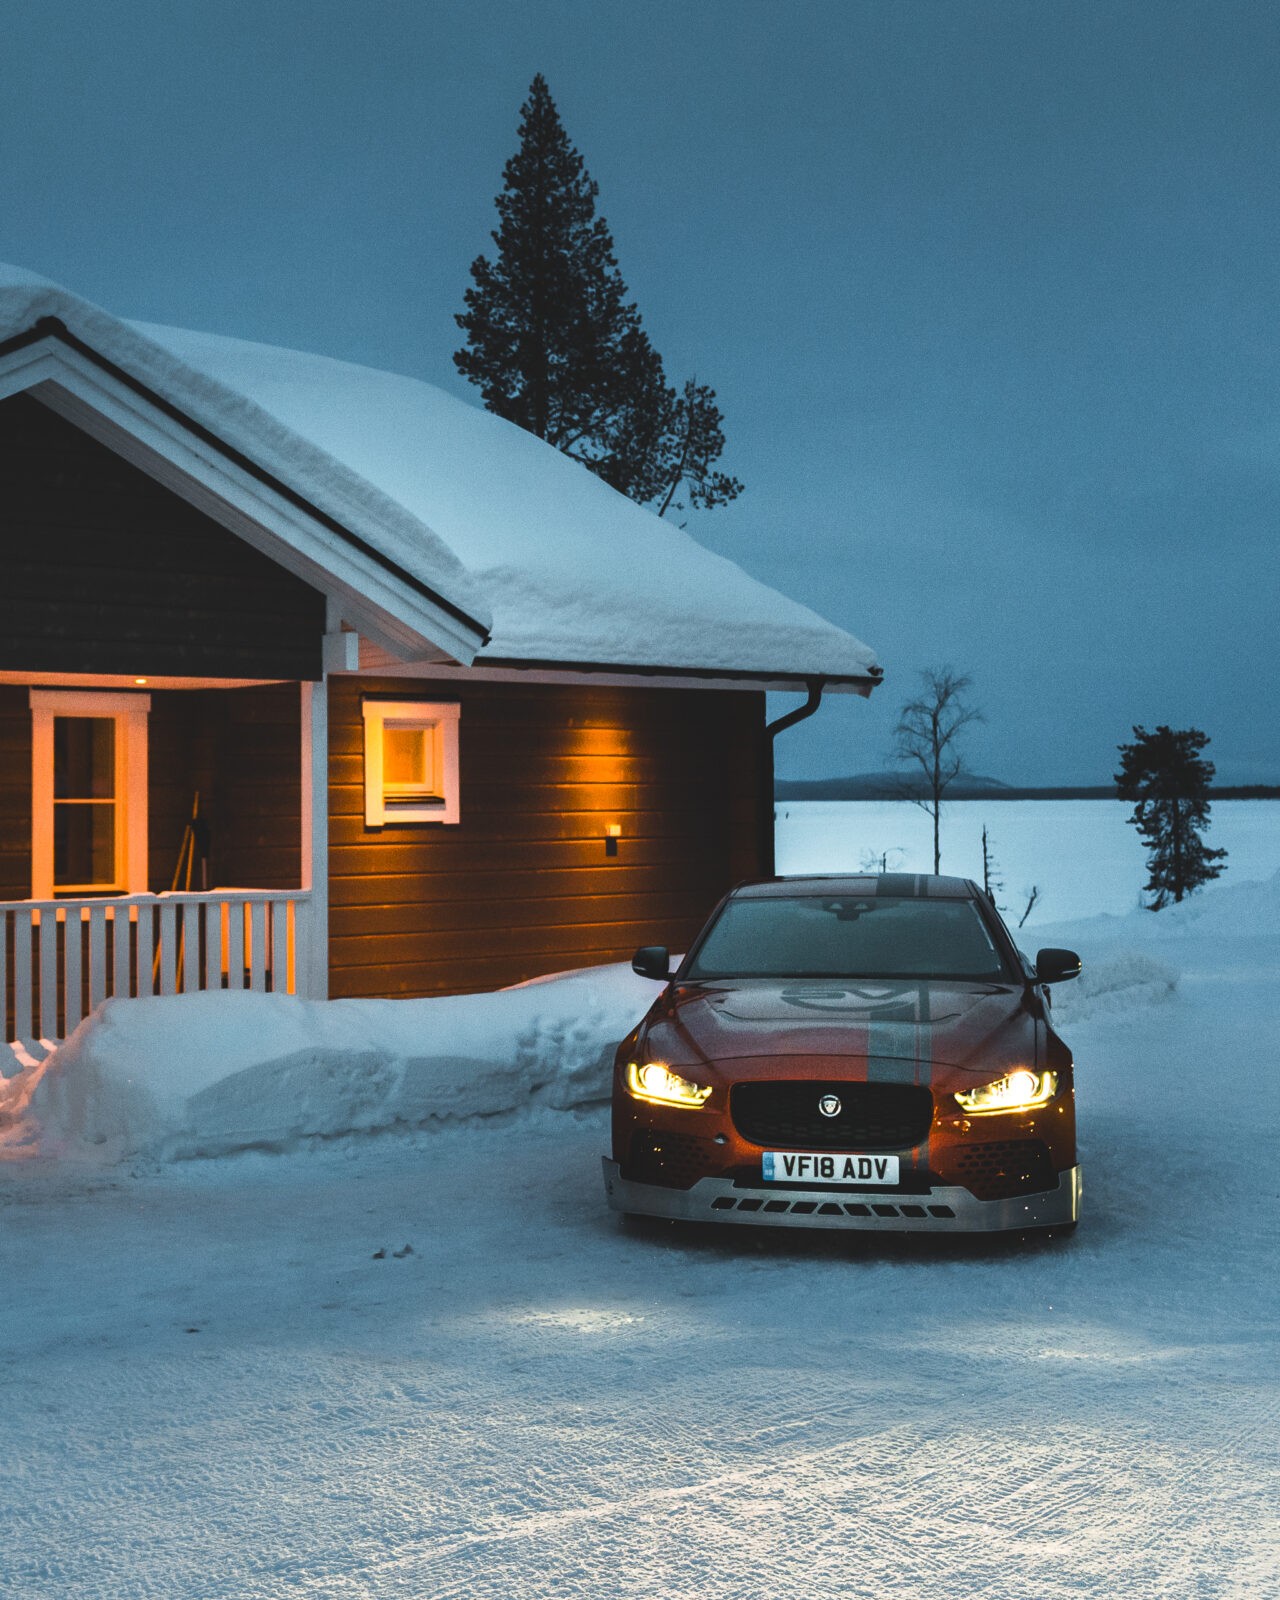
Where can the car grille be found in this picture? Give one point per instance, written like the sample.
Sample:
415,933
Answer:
872,1116
1003,1168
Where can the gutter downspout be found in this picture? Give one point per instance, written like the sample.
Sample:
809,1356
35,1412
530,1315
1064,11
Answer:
815,687
772,730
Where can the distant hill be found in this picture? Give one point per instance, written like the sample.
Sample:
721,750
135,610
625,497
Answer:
973,786
886,786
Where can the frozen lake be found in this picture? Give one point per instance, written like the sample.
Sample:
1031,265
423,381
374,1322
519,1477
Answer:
1083,855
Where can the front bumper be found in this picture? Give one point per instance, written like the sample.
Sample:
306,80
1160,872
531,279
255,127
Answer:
942,1210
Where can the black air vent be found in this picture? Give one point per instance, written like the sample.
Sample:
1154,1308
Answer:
872,1116
674,1160
1003,1168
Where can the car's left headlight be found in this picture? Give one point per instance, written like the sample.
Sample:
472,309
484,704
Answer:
1020,1090
654,1081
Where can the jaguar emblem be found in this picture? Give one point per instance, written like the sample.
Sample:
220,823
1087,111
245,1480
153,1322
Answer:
830,1105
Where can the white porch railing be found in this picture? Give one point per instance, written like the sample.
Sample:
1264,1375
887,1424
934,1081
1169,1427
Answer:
61,958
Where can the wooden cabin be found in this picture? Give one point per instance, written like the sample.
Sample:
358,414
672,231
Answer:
317,679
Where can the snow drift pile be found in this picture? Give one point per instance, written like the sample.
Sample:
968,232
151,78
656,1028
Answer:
1117,982
206,1074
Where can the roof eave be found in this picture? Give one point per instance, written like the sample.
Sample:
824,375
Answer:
727,677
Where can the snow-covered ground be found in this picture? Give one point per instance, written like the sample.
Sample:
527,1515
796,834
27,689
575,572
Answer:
1082,855
428,1363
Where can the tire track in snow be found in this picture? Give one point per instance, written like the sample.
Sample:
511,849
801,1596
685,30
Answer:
1014,1510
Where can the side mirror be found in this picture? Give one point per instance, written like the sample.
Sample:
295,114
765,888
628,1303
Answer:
652,961
1056,966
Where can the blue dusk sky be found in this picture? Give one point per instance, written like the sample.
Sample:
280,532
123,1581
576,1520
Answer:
987,289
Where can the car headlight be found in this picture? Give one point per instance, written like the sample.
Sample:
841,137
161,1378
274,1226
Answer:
654,1081
1019,1091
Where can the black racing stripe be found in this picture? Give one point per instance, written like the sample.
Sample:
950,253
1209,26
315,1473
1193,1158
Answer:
894,1042
906,884
900,1050
924,1068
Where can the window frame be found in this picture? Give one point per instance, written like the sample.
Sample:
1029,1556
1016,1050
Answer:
129,713
440,719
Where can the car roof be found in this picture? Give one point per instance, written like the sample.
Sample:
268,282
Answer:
908,885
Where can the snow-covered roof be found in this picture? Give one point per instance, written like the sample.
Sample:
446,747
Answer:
506,529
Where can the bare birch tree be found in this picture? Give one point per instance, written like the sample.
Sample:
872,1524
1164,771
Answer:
927,736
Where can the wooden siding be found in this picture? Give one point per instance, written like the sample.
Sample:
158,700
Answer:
522,885
15,793
106,570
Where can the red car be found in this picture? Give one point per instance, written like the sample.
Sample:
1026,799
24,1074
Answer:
850,1052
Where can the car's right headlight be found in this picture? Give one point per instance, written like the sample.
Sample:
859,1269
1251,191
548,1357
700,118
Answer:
1019,1091
655,1082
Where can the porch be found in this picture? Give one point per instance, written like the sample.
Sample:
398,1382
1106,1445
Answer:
61,958
127,888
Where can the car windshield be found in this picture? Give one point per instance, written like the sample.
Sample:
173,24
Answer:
848,936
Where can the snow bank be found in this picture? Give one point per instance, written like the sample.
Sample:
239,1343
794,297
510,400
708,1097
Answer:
1120,970
1120,981
1248,910
208,1074
1225,909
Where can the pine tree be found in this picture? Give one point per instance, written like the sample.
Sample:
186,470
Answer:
555,344
697,440
1169,779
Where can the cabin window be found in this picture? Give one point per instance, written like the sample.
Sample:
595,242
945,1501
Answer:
88,793
410,762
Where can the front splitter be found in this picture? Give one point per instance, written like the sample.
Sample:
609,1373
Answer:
942,1210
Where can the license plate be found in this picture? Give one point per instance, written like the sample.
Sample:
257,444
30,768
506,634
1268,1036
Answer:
795,1166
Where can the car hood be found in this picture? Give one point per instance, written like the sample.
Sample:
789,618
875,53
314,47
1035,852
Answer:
973,1026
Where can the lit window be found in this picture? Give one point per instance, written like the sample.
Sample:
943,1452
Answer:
410,762
88,793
